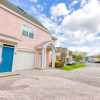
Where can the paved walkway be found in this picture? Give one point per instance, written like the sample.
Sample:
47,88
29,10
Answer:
51,84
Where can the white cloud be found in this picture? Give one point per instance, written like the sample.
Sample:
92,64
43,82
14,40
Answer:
79,27
40,7
83,2
47,22
34,10
80,49
82,25
45,3
33,0
93,50
73,3
59,10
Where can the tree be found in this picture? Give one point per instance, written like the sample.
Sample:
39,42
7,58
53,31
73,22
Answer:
78,57
84,54
62,57
57,58
99,56
74,57
70,53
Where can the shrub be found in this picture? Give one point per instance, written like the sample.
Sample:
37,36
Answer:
57,64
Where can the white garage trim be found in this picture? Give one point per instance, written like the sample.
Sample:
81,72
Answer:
26,48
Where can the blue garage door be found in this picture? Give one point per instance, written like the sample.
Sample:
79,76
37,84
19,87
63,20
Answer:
7,59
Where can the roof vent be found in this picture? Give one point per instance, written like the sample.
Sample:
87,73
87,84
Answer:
20,9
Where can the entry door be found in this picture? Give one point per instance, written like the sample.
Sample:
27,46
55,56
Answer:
7,59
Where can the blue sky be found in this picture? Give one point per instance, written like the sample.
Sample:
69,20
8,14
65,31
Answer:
76,23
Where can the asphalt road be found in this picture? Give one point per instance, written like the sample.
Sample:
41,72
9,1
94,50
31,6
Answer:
88,75
94,64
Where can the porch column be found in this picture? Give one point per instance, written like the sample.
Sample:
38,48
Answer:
53,58
43,58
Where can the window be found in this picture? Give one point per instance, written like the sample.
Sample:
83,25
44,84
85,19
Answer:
27,31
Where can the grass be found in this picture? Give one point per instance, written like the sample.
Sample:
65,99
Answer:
71,67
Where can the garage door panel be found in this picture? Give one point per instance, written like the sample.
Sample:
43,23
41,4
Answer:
24,60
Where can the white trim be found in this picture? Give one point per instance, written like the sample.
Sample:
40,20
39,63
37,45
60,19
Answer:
45,57
28,32
53,58
48,44
14,58
1,52
34,60
41,61
26,48
22,17
7,38
42,58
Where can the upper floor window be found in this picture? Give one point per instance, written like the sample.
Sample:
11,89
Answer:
27,31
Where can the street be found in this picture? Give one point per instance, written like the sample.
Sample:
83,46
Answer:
94,64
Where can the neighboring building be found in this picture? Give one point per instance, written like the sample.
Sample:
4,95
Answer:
58,51
93,59
65,50
24,42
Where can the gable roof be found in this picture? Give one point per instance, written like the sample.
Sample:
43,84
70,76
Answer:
42,44
64,49
60,49
21,12
53,37
46,44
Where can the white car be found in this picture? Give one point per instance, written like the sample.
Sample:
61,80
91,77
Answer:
71,62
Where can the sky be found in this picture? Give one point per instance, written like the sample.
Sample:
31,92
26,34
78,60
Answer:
76,23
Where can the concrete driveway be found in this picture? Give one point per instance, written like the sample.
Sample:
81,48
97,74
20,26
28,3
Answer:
52,84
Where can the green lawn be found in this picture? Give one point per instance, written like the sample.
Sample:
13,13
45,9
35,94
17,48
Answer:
71,67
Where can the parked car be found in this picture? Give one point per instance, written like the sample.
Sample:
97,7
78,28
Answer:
74,63
90,61
97,62
82,62
71,63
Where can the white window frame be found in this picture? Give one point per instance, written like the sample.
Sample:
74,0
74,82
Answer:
28,31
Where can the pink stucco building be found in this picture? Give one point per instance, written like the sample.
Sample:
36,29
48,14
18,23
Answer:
24,42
